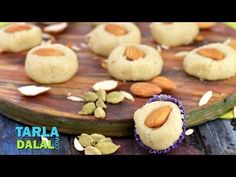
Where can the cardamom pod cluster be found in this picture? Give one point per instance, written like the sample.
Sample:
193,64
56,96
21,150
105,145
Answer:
95,102
97,144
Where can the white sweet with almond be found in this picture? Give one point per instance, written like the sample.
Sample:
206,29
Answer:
105,37
53,63
174,34
211,62
18,37
158,124
134,62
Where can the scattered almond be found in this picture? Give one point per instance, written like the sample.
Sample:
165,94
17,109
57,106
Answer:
159,49
133,53
205,98
165,47
75,98
158,117
44,139
55,28
127,95
17,27
211,53
73,47
105,85
181,54
144,89
77,145
48,52
205,25
104,64
164,83
115,29
83,45
189,132
227,41
232,44
32,90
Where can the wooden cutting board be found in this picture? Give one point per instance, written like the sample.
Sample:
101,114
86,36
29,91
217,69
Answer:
54,109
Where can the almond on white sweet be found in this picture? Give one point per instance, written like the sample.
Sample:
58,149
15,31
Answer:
52,63
18,37
32,90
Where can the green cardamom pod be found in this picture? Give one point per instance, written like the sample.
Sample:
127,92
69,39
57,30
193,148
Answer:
100,103
88,109
107,147
115,97
101,93
99,113
105,140
86,140
97,137
90,150
90,96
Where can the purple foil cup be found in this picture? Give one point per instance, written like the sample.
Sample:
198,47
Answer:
164,97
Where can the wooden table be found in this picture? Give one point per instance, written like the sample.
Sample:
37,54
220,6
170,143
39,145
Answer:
216,137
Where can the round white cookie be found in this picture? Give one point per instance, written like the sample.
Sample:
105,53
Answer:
210,69
163,137
174,34
53,63
105,37
18,37
141,69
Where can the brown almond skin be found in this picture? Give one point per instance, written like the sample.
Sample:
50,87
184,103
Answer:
145,89
212,53
115,29
164,83
133,53
158,117
17,27
46,52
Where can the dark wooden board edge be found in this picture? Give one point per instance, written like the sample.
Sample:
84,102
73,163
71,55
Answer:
65,125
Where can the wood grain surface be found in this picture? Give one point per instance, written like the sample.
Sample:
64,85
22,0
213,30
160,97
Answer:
53,109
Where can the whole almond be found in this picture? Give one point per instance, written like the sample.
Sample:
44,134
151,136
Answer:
115,29
48,52
164,83
158,117
232,44
205,25
133,53
211,53
144,89
17,27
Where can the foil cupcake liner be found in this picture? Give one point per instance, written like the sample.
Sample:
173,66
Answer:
164,97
